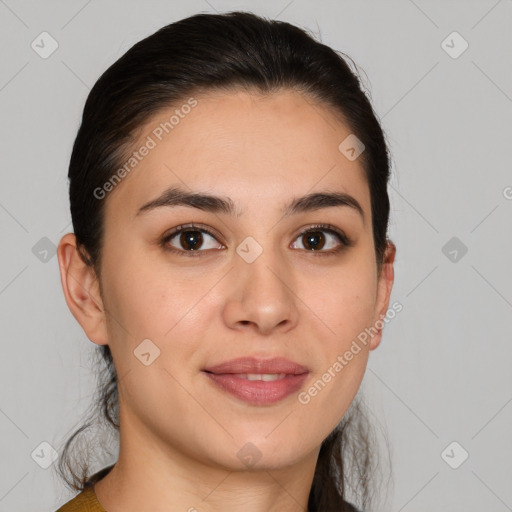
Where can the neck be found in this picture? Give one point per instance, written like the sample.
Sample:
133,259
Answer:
151,475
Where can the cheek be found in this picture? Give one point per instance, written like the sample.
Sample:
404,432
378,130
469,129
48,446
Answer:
156,303
147,298
344,301
341,353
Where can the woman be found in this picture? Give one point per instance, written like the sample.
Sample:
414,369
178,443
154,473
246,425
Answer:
230,259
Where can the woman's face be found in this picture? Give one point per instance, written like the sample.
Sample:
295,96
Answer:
252,285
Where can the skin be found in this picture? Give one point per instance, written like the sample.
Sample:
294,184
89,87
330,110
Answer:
180,434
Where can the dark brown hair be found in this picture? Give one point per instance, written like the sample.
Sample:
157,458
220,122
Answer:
224,52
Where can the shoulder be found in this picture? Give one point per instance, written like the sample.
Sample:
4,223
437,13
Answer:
85,501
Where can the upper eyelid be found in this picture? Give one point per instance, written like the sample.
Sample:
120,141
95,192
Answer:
197,227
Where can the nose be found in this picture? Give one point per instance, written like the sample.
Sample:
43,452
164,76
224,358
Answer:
261,296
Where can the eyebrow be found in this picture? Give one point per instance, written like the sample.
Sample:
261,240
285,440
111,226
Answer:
175,196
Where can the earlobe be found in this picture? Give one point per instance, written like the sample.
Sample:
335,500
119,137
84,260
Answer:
385,285
81,290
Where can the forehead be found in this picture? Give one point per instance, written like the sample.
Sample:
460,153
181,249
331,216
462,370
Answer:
251,147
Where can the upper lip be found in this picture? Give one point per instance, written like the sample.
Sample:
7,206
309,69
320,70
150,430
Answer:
244,365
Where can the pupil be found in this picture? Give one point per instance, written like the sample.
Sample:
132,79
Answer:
191,238
312,240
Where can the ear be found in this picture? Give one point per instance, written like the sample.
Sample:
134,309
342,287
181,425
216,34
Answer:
384,286
81,290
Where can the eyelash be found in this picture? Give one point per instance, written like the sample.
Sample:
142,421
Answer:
343,239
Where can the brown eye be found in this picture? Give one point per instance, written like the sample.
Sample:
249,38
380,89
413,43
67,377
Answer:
321,240
314,240
190,239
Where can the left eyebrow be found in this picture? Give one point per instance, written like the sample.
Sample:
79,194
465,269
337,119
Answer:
176,196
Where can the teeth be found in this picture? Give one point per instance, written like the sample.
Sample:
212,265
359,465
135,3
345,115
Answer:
265,376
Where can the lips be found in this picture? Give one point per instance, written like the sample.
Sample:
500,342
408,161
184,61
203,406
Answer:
258,381
255,366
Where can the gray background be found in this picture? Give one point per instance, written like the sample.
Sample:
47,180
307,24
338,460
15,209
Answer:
442,372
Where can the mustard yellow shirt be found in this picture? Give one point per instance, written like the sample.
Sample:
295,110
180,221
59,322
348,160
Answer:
86,501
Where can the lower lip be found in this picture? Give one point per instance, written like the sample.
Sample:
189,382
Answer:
258,392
